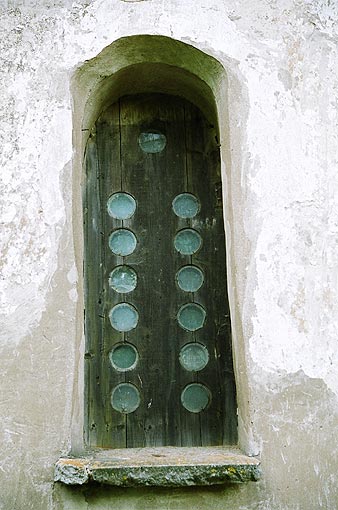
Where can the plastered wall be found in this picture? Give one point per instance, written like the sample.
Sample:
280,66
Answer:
280,188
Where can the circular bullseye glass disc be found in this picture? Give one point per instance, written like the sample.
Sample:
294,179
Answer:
125,398
186,205
187,241
190,278
123,317
123,279
122,242
123,357
152,143
195,397
191,317
121,206
194,357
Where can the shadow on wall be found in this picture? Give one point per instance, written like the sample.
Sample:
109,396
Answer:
101,497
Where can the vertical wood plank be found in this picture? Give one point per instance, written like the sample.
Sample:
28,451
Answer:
110,182
190,422
154,179
93,292
218,419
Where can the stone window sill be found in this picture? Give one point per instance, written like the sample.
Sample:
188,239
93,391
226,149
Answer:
162,466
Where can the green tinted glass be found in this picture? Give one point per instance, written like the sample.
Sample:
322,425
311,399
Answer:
123,279
123,357
125,398
186,205
195,397
187,241
121,206
123,317
191,317
152,142
189,278
122,242
194,357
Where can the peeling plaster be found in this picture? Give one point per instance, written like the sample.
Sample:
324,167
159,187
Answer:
296,320
36,146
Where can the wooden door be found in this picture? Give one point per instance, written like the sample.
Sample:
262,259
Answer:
158,357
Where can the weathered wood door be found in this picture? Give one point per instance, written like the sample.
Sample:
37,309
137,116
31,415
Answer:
158,352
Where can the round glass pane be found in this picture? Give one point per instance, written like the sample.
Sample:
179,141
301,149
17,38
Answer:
191,316
125,398
152,142
194,357
186,205
123,279
123,317
195,397
189,278
122,242
121,206
187,241
123,357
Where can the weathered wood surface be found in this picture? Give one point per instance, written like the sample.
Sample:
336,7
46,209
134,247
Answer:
189,163
154,179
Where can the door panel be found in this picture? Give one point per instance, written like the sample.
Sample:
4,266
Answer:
188,163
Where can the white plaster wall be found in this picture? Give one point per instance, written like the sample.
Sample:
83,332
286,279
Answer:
282,234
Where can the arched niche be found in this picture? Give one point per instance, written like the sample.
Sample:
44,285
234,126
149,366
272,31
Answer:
146,63
143,64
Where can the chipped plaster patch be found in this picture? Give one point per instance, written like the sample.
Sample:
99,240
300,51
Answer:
296,323
36,134
73,295
292,222
72,275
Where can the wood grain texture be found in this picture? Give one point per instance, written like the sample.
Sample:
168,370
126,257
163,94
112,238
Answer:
189,163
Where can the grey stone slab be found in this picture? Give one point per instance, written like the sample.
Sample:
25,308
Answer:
164,467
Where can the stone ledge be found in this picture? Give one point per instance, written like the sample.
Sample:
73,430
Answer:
162,467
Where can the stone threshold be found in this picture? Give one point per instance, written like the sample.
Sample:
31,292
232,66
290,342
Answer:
162,467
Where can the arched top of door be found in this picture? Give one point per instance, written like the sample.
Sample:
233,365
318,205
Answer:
147,63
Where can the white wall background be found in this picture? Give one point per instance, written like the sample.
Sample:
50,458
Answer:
284,238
